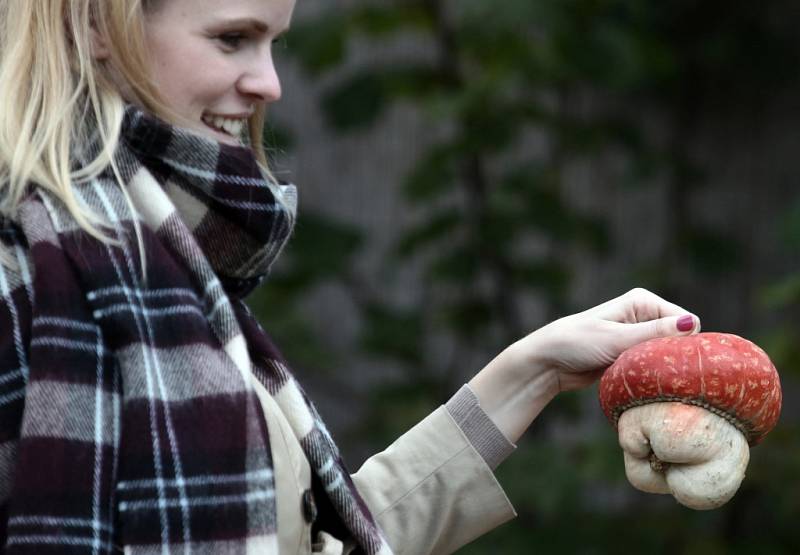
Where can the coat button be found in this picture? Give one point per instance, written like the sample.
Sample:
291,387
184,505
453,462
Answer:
309,507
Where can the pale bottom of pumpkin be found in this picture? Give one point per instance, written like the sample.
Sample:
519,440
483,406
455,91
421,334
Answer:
684,450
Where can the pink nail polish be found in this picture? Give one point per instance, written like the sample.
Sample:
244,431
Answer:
685,323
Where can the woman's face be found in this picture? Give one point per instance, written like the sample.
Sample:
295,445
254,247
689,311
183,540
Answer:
212,60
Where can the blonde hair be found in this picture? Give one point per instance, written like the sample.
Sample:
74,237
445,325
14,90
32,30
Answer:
50,82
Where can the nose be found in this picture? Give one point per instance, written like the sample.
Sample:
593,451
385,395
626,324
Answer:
260,81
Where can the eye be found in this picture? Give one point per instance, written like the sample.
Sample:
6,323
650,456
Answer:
231,40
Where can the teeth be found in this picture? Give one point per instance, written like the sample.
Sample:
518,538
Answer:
234,127
230,126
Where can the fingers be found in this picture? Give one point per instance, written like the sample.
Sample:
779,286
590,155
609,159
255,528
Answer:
633,334
647,305
637,305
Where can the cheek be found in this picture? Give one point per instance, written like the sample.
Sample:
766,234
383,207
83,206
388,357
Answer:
187,76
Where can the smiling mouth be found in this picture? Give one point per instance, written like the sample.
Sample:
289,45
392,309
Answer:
229,126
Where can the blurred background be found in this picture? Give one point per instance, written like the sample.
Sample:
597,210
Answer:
471,170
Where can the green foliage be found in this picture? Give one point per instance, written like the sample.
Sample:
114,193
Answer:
363,98
322,250
320,45
790,226
782,342
393,332
785,292
278,139
433,175
438,227
396,407
710,251
382,21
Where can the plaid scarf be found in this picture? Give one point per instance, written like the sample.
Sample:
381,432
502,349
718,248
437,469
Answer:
127,412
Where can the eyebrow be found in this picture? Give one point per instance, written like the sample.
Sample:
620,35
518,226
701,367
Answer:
254,23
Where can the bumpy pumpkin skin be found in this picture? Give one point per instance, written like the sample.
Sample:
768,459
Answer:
683,450
686,409
721,372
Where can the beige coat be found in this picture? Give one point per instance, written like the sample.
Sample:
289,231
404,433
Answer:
430,491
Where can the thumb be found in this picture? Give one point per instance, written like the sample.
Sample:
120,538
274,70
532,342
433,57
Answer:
686,324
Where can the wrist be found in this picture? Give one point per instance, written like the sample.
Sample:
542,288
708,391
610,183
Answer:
538,371
514,387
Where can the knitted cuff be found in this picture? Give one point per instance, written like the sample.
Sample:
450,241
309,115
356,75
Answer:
482,433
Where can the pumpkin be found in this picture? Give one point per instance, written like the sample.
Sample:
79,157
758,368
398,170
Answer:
687,410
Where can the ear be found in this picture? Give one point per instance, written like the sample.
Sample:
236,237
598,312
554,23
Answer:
100,49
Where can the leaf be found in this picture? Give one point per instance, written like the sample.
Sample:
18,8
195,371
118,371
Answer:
458,265
320,44
394,408
469,317
277,138
548,275
433,175
710,251
547,212
298,340
784,293
393,333
592,232
321,247
413,80
500,228
528,198
356,103
790,225
362,97
783,347
438,226
380,21
532,191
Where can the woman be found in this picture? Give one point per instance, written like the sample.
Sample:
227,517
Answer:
143,409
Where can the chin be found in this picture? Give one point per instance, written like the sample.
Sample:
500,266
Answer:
228,140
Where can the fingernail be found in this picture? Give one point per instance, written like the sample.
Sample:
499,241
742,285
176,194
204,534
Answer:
686,323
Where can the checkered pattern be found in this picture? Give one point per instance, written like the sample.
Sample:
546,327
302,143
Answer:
128,421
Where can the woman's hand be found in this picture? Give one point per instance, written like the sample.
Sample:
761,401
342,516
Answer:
578,348
571,353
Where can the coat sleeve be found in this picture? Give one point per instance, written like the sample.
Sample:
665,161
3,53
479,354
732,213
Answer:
431,490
